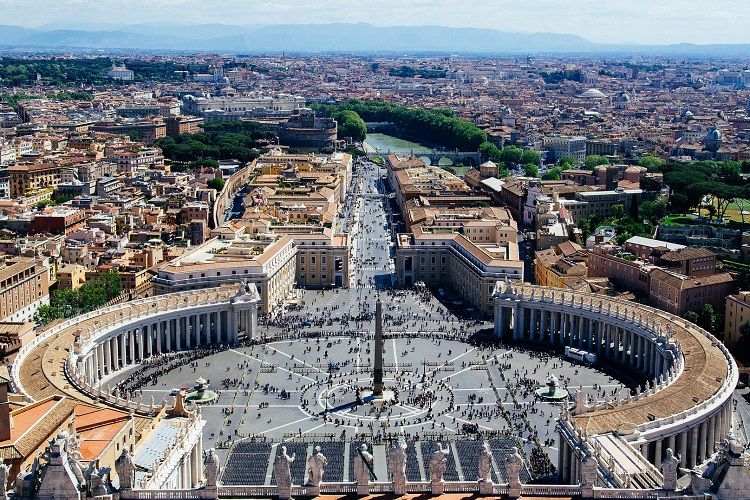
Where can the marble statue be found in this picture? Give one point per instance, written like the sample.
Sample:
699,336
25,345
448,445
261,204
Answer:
397,467
211,464
485,470
485,463
438,465
98,482
125,470
362,468
316,467
4,470
513,466
669,467
281,467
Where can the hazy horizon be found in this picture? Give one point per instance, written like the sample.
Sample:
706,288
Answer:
613,21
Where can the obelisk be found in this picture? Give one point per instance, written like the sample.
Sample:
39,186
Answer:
377,373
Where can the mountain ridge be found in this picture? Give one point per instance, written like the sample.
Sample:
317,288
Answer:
330,38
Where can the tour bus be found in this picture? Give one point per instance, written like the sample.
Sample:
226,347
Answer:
580,355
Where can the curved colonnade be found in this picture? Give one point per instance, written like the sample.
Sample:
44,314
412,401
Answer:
76,356
687,403
686,407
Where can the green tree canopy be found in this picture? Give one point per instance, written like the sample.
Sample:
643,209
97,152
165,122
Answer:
350,124
652,163
439,127
216,183
593,161
530,170
511,155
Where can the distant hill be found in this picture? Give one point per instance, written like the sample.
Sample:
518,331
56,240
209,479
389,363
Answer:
338,37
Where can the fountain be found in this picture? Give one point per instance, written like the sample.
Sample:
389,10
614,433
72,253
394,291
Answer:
201,394
551,391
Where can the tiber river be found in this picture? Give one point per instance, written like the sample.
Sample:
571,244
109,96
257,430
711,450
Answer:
383,143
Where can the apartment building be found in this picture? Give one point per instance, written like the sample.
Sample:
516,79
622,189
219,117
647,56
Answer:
561,146
61,220
664,285
24,286
29,179
678,294
71,276
736,314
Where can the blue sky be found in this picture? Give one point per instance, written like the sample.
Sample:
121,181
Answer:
641,21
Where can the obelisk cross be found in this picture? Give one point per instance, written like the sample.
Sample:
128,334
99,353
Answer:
377,374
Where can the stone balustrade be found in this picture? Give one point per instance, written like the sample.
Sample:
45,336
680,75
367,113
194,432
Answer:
686,404
93,346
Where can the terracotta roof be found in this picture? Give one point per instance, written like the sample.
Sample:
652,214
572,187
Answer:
687,253
34,424
683,282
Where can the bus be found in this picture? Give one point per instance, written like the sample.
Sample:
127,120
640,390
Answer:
580,355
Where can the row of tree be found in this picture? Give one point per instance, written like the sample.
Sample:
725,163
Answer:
706,184
63,72
439,127
65,302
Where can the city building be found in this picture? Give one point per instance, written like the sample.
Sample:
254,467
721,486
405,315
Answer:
24,286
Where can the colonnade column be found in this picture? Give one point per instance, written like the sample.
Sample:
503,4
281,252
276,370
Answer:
683,448
658,453
159,330
693,447
218,327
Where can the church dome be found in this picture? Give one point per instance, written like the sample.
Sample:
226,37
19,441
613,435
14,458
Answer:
593,94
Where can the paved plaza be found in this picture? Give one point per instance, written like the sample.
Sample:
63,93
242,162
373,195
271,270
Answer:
441,381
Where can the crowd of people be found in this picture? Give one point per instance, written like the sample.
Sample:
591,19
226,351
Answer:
421,396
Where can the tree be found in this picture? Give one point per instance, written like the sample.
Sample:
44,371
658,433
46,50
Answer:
708,319
552,174
206,162
91,295
567,162
743,345
511,155
652,210
216,183
592,161
489,151
531,156
650,184
652,163
618,210
691,316
729,173
350,124
679,203
530,170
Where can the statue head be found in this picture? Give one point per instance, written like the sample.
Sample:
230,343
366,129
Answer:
363,447
670,453
317,449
